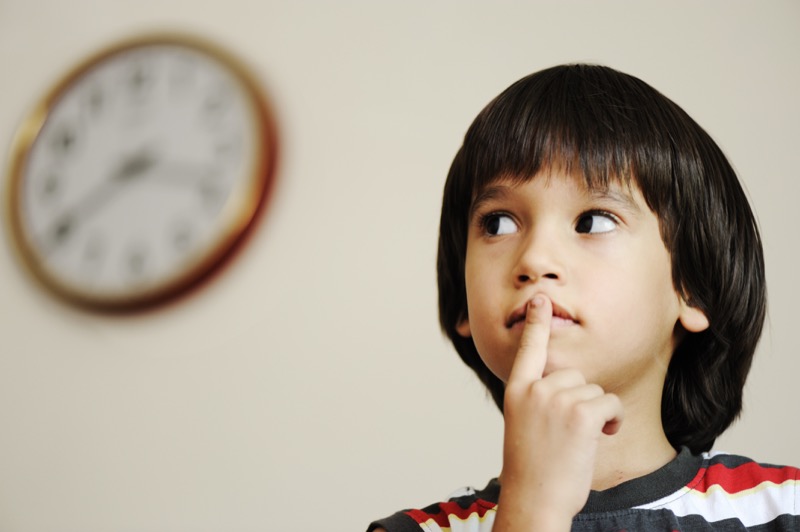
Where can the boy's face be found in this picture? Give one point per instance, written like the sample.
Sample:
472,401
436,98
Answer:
598,255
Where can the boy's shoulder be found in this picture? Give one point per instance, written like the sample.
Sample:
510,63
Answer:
712,490
731,489
466,508
737,474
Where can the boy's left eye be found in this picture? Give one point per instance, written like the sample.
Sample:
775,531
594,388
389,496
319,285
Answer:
596,223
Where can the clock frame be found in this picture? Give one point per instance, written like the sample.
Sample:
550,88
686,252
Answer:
206,150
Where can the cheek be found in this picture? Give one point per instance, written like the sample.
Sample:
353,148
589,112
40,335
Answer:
486,338
497,362
646,296
481,294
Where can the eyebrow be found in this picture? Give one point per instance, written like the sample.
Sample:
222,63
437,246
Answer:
500,191
489,193
623,200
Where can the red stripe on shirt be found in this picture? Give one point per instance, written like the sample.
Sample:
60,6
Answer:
744,477
451,509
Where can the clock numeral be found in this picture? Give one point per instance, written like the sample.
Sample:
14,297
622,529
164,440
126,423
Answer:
62,230
139,85
182,237
64,140
136,261
215,107
93,253
139,82
182,75
140,79
227,148
58,234
216,103
50,187
212,196
94,102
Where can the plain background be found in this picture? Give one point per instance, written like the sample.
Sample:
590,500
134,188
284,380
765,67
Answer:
308,386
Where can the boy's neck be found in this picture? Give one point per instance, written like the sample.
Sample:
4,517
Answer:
621,459
639,448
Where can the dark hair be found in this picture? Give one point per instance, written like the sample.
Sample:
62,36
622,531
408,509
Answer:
608,126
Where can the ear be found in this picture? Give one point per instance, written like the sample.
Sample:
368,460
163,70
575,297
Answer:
692,318
462,328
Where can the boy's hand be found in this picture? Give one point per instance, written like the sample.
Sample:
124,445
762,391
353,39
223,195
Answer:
552,428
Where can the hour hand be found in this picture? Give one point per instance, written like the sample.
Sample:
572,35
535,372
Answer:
135,166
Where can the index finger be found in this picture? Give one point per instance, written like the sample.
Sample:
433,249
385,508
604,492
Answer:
532,354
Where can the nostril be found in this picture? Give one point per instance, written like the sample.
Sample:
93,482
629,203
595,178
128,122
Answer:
524,278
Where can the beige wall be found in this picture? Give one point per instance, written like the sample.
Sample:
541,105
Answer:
309,383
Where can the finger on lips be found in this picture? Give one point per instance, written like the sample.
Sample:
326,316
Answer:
531,357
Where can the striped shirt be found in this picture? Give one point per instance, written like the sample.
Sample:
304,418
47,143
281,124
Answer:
712,491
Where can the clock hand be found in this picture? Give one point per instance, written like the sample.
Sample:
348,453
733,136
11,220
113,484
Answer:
135,166
131,169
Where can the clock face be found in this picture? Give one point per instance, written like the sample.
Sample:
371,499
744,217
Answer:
140,172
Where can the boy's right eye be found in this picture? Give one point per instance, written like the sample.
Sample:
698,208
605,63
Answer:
497,224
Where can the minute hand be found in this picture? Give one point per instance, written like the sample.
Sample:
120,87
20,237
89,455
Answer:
132,169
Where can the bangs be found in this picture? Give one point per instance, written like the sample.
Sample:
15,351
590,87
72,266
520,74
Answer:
585,120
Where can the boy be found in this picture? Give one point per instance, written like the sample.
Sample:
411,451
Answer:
601,271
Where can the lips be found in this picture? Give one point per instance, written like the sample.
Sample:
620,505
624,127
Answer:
559,314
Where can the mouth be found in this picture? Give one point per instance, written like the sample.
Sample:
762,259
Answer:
560,317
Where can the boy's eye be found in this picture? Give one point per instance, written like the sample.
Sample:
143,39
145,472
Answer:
499,224
596,223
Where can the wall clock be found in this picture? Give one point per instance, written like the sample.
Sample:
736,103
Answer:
140,171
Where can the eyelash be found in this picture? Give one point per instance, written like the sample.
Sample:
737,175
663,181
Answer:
598,212
490,217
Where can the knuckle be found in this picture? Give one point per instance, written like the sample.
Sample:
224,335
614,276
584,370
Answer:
575,376
582,415
539,391
596,390
526,393
562,402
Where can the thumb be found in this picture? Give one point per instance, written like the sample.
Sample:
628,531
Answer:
531,357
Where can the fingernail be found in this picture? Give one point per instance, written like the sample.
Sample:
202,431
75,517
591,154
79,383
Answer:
538,301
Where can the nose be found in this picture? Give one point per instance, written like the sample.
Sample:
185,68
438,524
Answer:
540,257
